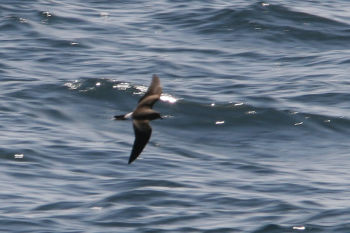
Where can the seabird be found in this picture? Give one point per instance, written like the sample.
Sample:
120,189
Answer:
141,117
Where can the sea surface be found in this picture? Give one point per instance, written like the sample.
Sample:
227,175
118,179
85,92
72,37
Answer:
256,100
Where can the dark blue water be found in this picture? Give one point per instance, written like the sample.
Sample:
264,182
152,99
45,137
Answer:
256,95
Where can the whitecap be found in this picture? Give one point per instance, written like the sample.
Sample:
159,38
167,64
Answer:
19,156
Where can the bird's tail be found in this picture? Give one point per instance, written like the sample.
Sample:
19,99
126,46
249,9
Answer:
123,117
120,117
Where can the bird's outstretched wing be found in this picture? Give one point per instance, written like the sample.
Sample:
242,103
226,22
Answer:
143,132
154,90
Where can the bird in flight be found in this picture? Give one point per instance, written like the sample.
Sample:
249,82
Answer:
141,117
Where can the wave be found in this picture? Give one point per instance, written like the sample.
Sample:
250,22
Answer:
271,21
192,113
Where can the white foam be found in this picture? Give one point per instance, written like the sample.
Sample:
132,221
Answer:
251,112
168,98
19,156
122,86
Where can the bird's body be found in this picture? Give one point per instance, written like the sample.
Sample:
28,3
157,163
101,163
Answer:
141,117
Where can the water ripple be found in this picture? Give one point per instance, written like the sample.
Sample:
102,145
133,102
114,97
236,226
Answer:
256,99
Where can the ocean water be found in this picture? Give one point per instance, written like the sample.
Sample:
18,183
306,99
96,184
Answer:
257,105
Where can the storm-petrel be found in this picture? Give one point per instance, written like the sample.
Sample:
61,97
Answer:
141,117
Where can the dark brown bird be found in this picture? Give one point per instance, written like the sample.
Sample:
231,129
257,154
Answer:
141,117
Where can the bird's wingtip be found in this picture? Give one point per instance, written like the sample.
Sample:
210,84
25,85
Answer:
130,161
155,76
